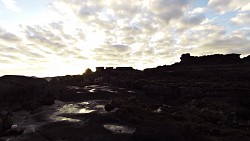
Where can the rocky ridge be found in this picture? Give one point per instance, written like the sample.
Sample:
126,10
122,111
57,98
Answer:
203,98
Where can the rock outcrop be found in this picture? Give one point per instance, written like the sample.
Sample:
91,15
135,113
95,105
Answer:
19,92
203,98
216,59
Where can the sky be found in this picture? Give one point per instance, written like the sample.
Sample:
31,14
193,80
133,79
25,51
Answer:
64,37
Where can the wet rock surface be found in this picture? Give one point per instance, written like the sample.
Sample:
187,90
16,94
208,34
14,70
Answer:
188,101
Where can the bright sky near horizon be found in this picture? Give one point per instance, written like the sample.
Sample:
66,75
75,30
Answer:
60,37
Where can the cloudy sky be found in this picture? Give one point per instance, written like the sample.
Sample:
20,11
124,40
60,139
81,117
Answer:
59,37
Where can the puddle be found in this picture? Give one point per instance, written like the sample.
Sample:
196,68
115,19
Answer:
69,108
94,88
86,111
159,110
30,122
74,88
59,108
120,129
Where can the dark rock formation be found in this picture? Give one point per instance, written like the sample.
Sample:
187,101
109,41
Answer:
203,98
5,122
216,59
99,69
124,69
19,92
109,107
246,59
88,71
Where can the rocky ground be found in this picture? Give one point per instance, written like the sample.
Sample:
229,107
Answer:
188,101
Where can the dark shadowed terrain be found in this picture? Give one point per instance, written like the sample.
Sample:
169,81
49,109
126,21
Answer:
198,99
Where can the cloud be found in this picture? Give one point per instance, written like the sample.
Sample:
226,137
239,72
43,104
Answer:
191,18
223,6
195,17
242,19
11,5
7,36
245,7
231,44
167,10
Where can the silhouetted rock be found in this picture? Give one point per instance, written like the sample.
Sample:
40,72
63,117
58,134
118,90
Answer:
21,92
99,69
88,71
109,107
246,59
216,59
109,68
124,69
204,98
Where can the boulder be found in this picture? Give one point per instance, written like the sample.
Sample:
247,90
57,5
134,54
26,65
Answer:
19,92
109,107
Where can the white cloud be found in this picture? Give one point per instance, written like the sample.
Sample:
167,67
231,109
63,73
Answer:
11,5
8,36
242,19
245,7
223,6
192,18
167,10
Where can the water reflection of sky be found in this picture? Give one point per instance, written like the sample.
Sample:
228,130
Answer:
92,88
77,108
56,113
122,129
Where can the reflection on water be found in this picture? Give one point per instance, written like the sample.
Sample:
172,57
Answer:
69,108
86,111
60,118
54,113
74,88
119,128
94,88
31,122
159,110
61,108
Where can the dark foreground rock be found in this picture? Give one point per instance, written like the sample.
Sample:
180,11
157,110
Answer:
5,122
24,93
199,99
